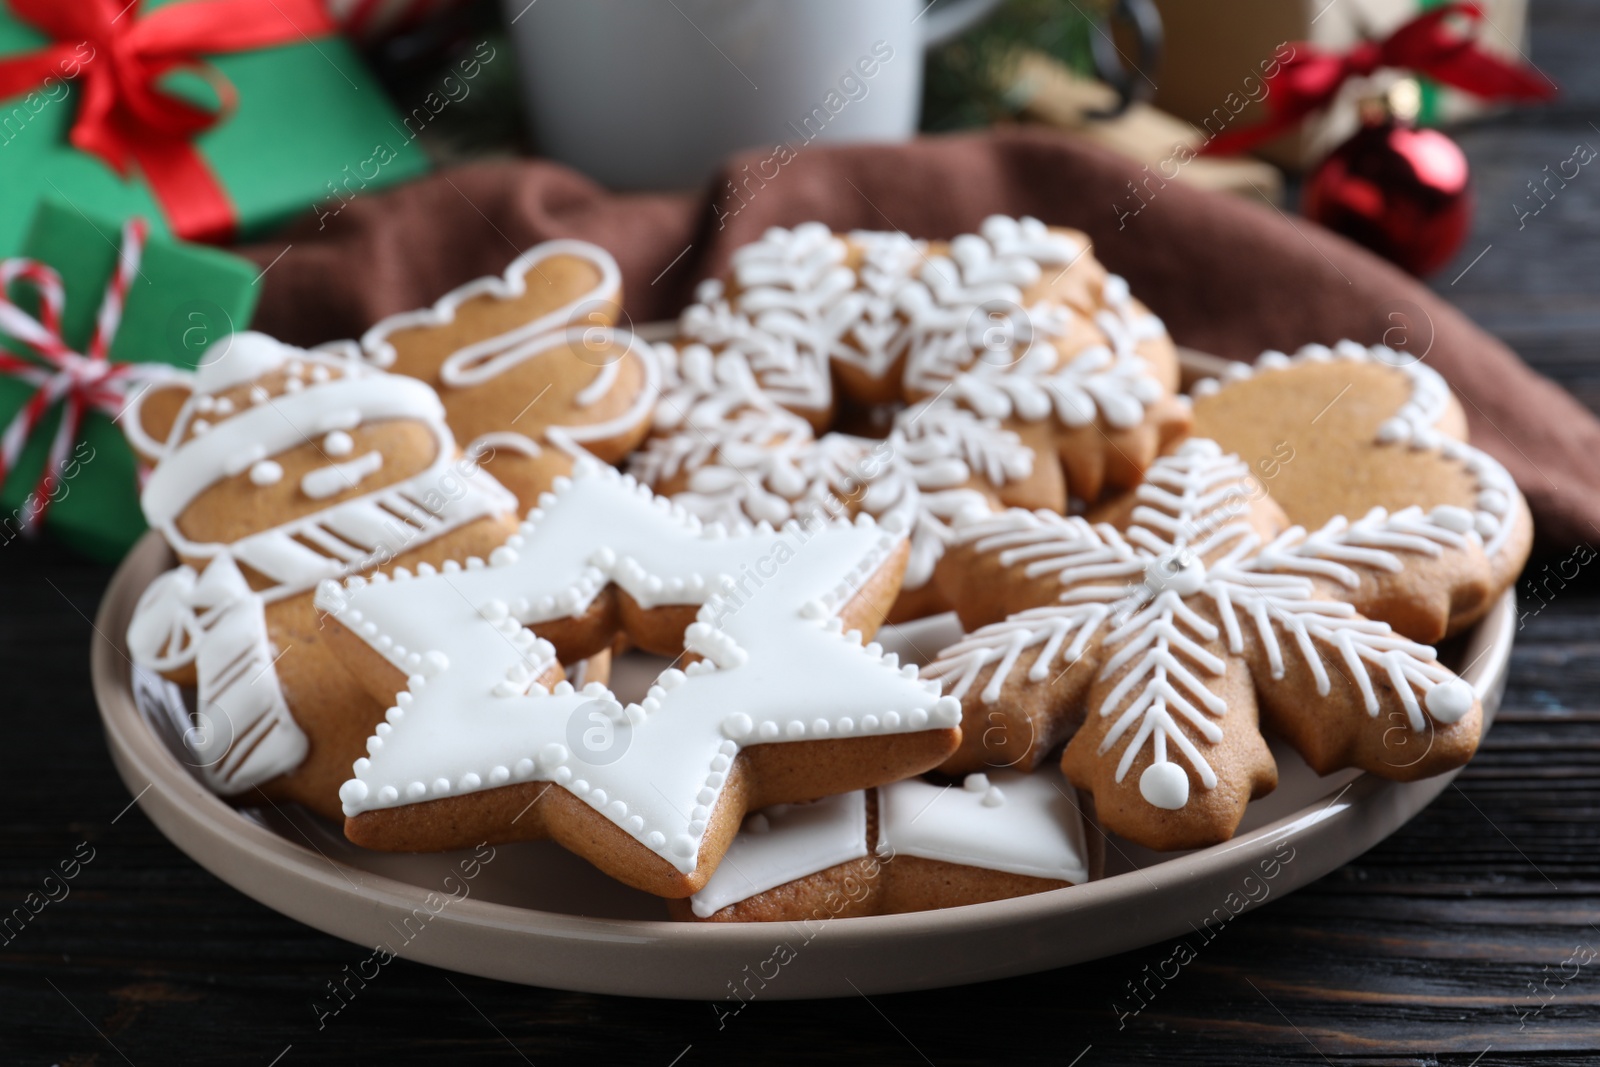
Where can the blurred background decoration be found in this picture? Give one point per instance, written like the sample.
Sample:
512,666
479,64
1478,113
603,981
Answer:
371,22
1154,80
1212,46
654,93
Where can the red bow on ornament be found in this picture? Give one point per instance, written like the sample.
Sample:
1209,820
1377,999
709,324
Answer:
1309,79
85,382
125,115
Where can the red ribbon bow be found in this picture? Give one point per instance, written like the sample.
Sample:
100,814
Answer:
1309,79
126,116
84,382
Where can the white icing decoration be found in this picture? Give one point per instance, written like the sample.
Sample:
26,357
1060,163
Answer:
751,461
798,307
797,300
722,417
1019,823
244,734
1094,383
510,285
350,536
323,482
1164,785
1193,507
247,734
338,443
267,429
762,654
266,472
468,368
235,360
1451,701
554,331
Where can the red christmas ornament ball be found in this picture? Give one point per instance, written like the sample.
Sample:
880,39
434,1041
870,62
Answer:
1400,191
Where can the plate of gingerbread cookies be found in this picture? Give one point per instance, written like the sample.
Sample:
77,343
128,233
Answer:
907,613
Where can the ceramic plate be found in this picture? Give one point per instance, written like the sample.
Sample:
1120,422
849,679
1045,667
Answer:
536,914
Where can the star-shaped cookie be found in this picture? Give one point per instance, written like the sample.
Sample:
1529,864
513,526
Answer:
912,845
777,699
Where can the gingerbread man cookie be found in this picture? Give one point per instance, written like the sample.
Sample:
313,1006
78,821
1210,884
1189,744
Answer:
778,701
277,468
531,365
1157,640
911,845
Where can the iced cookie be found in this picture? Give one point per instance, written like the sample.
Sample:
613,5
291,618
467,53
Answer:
1031,375
907,846
1018,322
1158,644
730,454
277,468
1379,463
531,365
777,699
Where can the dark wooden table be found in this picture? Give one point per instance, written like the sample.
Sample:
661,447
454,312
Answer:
1470,937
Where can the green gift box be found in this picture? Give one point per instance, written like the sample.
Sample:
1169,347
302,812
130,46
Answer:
182,298
205,119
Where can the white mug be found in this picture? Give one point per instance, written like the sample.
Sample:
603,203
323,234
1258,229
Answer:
652,94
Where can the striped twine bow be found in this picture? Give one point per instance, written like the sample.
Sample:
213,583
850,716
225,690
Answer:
80,382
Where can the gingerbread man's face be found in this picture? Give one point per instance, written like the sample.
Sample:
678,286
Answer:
302,465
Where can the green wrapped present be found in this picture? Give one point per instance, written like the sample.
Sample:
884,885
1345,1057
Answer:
214,119
94,312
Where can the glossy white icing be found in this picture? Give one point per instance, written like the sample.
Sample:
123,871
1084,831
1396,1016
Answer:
768,630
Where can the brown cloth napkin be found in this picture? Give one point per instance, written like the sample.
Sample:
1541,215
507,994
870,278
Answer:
1228,277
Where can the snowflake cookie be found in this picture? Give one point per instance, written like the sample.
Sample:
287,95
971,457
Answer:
774,698
275,469
531,366
1160,643
911,845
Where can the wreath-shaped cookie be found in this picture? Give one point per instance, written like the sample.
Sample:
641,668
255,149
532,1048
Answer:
1028,370
1153,641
